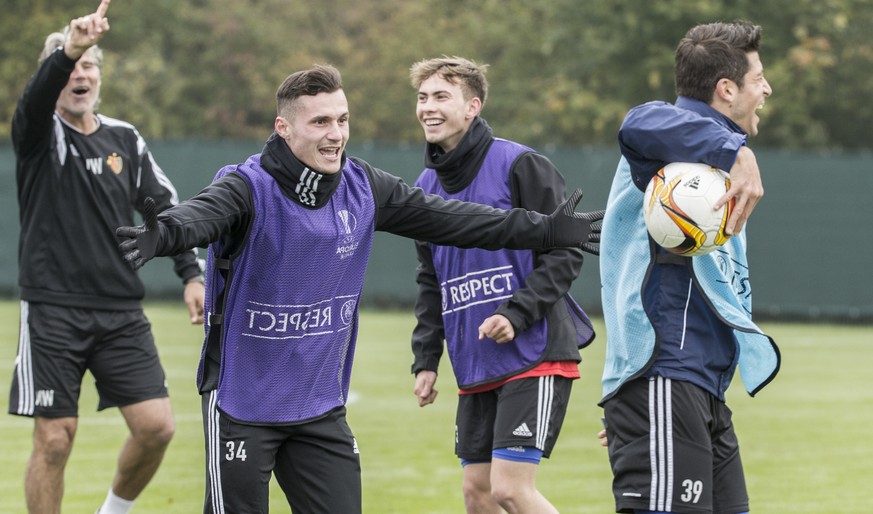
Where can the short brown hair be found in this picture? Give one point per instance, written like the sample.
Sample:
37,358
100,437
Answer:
711,52
321,78
457,70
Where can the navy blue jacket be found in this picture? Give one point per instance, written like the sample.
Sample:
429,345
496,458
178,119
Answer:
694,345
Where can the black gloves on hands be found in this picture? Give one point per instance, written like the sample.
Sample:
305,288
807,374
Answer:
142,241
569,228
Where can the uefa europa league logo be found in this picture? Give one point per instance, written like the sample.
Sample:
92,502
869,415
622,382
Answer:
348,219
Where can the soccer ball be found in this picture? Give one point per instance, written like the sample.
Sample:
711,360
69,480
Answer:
678,208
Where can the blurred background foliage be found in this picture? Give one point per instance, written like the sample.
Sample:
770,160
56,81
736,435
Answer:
562,72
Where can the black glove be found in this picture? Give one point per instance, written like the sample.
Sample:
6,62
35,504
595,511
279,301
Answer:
594,235
569,228
142,241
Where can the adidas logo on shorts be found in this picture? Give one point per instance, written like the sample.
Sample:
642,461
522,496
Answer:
522,431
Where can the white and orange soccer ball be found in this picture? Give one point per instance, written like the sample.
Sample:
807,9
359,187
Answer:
678,208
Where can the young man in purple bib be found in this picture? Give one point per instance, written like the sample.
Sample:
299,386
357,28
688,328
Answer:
289,234
512,330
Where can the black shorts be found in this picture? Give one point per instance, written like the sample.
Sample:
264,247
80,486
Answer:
672,447
57,344
316,464
527,412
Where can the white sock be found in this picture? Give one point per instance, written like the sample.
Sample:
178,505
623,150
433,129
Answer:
115,505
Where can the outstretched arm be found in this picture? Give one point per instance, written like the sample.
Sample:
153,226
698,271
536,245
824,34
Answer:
409,212
222,209
141,242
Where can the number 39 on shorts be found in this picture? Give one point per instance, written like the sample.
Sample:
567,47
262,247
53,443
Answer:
693,490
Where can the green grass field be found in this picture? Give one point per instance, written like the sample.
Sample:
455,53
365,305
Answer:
806,439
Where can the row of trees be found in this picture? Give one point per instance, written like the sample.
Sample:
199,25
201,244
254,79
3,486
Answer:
563,72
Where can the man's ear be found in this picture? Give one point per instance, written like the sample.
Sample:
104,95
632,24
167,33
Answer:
281,126
726,89
474,107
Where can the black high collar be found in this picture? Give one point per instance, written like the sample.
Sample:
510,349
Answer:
298,181
457,168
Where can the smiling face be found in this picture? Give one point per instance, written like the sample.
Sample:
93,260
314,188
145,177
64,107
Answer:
746,100
443,112
316,129
78,99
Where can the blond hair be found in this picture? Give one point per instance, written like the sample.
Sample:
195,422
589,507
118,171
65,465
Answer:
56,40
467,73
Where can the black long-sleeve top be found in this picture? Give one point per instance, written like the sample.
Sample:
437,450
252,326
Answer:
536,185
73,191
223,212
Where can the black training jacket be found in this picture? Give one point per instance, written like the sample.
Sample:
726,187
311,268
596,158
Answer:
223,210
73,191
536,185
